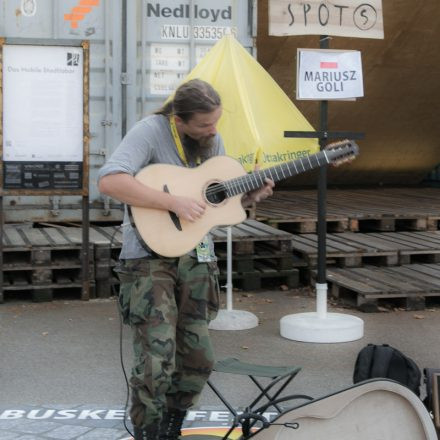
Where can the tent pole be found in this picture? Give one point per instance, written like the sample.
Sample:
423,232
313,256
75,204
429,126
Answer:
229,270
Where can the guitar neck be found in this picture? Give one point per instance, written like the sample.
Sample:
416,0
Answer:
279,172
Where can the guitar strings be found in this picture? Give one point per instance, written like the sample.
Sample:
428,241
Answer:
237,185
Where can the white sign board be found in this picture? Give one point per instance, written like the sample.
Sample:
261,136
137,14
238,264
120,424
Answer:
42,103
329,74
344,18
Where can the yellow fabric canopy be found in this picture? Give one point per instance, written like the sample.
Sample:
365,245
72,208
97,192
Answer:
256,111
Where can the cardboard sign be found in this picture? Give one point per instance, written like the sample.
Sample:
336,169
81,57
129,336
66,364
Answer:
329,74
346,18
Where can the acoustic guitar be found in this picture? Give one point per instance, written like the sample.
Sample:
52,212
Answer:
220,182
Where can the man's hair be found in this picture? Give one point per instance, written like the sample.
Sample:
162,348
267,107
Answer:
194,96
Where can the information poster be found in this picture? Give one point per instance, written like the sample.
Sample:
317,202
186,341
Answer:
42,116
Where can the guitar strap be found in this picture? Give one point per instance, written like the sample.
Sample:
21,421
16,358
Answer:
136,232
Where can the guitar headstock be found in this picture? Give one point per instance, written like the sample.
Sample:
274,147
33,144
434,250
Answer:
341,152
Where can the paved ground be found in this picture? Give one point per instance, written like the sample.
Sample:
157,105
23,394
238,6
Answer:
61,377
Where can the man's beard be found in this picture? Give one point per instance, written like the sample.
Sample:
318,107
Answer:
201,149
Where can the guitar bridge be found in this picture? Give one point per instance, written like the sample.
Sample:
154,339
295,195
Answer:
173,216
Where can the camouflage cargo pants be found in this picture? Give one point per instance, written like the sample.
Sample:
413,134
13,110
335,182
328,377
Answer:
168,303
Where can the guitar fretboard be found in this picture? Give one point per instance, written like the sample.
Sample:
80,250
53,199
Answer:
256,180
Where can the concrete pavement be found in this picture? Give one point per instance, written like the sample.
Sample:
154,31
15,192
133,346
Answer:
61,376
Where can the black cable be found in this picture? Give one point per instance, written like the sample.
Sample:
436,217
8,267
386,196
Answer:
121,356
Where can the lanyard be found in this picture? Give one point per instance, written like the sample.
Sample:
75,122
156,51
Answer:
177,141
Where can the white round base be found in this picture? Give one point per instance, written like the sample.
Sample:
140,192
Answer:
233,320
334,327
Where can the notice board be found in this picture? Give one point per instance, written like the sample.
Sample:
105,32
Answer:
44,117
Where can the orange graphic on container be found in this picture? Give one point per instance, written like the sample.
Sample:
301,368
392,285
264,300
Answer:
78,12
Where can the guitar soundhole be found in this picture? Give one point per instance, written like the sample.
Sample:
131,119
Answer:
215,193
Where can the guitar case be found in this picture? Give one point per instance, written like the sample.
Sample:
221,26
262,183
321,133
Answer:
375,409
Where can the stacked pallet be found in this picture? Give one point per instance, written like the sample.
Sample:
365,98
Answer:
356,210
46,261
40,262
382,245
106,243
262,255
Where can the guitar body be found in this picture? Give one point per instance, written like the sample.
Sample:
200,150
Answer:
169,236
220,183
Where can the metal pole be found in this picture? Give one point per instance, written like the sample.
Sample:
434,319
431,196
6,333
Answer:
229,304
321,288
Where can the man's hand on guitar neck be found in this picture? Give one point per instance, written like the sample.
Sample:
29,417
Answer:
259,194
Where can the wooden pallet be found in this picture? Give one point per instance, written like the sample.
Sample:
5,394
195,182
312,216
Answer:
351,249
251,233
261,255
107,243
347,249
263,277
406,286
255,244
41,260
364,210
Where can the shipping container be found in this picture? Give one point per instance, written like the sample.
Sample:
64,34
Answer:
140,50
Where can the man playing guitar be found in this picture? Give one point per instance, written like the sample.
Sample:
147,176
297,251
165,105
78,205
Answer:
168,301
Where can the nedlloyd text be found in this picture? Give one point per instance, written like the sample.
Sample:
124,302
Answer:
184,11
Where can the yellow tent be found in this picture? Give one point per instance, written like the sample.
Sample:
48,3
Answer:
256,111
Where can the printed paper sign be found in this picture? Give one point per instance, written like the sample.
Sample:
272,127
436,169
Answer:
42,103
329,74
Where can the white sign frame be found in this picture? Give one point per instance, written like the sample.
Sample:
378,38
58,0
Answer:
44,169
329,74
347,18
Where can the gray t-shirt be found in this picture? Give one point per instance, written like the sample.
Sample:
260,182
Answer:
149,141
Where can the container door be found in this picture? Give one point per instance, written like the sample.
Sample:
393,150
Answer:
171,38
98,21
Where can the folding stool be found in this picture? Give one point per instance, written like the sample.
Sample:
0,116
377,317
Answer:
278,375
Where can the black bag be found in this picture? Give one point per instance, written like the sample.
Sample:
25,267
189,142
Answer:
388,362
